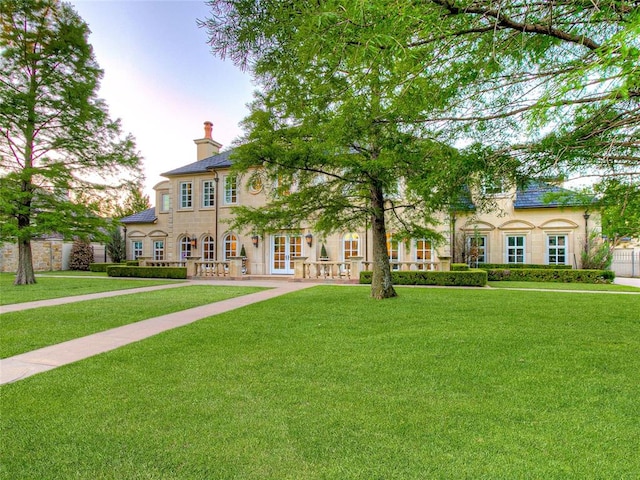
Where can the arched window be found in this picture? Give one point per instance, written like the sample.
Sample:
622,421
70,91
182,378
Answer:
230,246
351,245
393,249
208,248
185,247
424,253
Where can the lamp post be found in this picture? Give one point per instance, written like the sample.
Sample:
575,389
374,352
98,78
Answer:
586,231
124,230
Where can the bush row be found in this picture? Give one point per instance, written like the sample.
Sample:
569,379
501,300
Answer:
471,278
102,267
547,275
459,267
513,266
147,272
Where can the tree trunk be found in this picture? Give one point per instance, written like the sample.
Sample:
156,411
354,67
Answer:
381,285
24,275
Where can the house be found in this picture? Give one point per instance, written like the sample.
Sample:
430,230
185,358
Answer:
195,202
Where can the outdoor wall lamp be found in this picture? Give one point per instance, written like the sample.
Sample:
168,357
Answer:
193,241
309,238
255,240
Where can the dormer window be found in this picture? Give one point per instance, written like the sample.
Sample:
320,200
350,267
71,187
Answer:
494,186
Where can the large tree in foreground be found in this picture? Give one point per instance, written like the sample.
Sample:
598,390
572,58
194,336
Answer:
59,149
325,128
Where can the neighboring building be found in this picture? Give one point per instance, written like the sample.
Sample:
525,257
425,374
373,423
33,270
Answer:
196,201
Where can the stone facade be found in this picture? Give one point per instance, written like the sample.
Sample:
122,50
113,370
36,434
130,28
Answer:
195,203
47,255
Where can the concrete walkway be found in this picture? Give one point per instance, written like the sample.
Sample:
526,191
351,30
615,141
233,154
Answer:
26,364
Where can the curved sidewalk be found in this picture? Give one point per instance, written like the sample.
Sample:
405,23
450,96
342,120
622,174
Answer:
30,363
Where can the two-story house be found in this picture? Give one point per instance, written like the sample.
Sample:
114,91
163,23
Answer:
195,202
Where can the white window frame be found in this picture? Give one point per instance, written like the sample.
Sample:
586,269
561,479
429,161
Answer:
348,241
165,202
208,194
136,249
427,254
230,183
516,250
230,243
564,247
186,195
184,245
391,242
482,247
208,248
158,249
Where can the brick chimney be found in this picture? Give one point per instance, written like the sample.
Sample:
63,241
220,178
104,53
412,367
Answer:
207,146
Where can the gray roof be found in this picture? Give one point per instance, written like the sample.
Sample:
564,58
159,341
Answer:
220,160
534,194
147,216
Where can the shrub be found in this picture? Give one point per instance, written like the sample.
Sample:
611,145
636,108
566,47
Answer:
116,246
147,272
101,267
470,278
81,255
549,275
459,267
132,263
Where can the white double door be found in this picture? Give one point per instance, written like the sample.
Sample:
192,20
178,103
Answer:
284,247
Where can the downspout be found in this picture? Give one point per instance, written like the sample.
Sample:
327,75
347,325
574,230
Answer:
215,200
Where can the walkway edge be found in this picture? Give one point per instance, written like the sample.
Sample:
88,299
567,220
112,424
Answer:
44,359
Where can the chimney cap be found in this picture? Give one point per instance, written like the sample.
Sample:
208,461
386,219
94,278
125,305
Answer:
208,127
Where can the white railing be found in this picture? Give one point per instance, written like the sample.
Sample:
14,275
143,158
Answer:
408,266
211,269
328,270
162,263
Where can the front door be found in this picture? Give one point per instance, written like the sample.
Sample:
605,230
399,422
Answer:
284,248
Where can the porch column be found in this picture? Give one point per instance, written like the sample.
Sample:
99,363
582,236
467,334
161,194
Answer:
192,268
445,264
235,267
355,268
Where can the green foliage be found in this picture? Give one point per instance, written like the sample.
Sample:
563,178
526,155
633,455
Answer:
147,272
116,246
61,154
135,201
243,252
459,267
101,267
81,256
596,255
619,207
470,278
323,252
550,275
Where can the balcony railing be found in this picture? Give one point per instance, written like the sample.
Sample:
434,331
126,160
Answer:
209,269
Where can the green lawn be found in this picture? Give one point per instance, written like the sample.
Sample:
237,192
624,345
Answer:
56,287
590,287
329,384
28,330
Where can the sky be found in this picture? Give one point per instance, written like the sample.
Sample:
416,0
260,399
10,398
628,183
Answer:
161,79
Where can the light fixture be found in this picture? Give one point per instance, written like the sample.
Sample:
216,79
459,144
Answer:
255,240
309,238
193,241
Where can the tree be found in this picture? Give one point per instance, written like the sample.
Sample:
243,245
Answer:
325,128
135,201
81,256
59,148
116,246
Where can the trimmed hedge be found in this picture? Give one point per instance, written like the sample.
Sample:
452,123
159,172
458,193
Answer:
513,266
548,275
133,263
471,278
147,272
102,267
459,267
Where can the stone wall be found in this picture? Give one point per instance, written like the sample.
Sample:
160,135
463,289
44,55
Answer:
47,255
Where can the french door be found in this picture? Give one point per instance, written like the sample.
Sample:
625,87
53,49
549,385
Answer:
284,247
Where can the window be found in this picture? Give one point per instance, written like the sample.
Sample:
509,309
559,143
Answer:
136,249
230,190
424,253
208,194
208,248
515,249
186,195
393,249
557,250
158,250
351,245
493,186
230,246
165,202
476,249
185,247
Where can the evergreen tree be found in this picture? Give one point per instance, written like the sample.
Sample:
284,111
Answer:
60,150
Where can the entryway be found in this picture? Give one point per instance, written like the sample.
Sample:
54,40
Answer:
284,247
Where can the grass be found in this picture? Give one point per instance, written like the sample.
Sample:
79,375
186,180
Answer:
327,383
28,330
588,287
57,287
